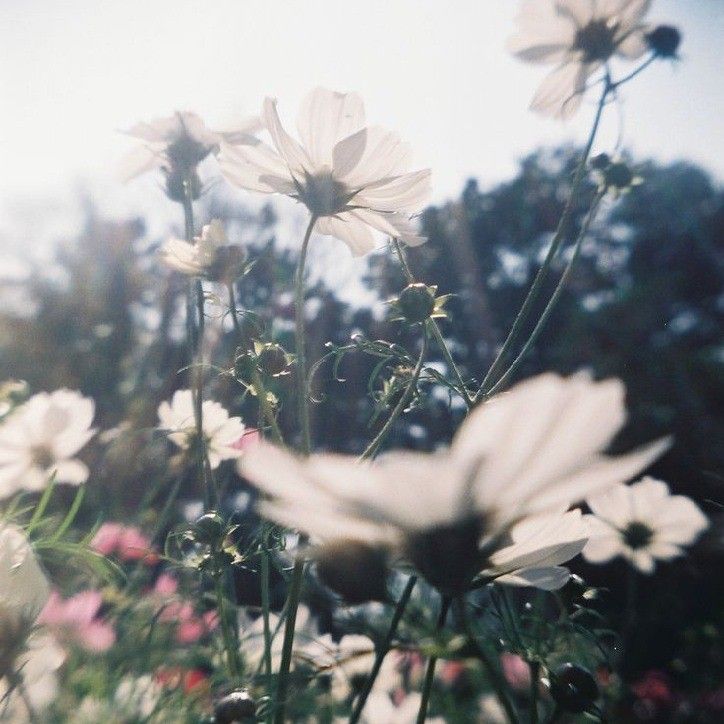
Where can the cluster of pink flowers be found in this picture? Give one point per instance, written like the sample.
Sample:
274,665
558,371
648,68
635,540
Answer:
76,620
125,542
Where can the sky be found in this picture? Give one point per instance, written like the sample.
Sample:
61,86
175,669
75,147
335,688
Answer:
75,72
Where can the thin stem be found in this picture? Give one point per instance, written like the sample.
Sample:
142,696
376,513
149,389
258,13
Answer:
302,392
634,73
295,589
537,286
534,684
383,649
265,606
231,644
374,446
496,678
431,663
256,381
545,316
435,327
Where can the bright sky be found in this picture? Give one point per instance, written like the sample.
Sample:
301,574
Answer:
73,72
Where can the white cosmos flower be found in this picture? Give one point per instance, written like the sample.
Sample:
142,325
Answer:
355,178
641,522
180,142
534,449
209,256
221,432
41,438
578,37
380,709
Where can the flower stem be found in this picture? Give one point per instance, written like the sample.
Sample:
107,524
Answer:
265,606
496,678
256,381
537,287
231,643
552,302
374,446
295,589
534,684
432,663
302,392
383,649
435,327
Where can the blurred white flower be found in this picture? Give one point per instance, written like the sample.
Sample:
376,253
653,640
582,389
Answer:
532,450
578,37
355,178
40,439
222,434
138,697
36,665
180,142
211,255
641,522
380,709
24,589
539,545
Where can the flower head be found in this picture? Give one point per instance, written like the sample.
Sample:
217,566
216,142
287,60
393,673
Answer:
211,255
221,432
641,522
579,37
40,439
533,450
177,145
352,177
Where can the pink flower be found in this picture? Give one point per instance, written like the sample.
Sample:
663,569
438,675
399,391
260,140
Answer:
190,626
516,671
166,585
250,438
655,687
76,620
127,542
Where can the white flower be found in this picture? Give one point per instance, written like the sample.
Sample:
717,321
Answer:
221,432
532,450
139,696
355,178
40,439
209,256
380,709
24,589
579,37
180,142
641,522
36,665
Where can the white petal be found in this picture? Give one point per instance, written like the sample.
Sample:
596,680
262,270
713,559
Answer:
289,149
255,168
325,118
580,11
632,46
397,226
547,579
139,161
73,472
410,192
352,231
385,155
561,92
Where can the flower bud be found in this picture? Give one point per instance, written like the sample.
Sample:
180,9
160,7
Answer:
664,40
601,162
176,180
356,571
244,364
416,302
235,708
209,528
272,359
573,688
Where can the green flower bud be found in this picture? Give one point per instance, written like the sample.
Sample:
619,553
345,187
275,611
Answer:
235,708
573,688
416,302
272,359
209,528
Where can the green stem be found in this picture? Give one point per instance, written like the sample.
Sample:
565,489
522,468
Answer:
545,316
302,392
431,664
256,381
534,684
295,589
383,649
435,328
265,606
496,678
374,446
537,286
231,645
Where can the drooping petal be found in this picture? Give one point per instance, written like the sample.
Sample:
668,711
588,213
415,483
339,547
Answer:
409,192
397,226
548,579
581,12
349,229
561,92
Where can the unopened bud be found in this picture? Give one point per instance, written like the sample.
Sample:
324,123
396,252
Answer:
272,359
573,688
235,708
416,302
664,40
601,162
356,571
209,528
176,181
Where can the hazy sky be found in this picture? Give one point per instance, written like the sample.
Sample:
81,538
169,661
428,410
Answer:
73,72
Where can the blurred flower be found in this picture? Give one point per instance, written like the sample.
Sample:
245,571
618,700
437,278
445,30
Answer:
138,697
221,432
490,710
178,143
515,670
24,588
655,687
380,709
191,626
127,542
532,450
178,677
76,620
40,438
579,37
355,178
641,522
210,255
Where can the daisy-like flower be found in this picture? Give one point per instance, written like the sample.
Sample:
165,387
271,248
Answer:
179,143
353,178
642,522
210,256
578,37
221,432
41,438
532,450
